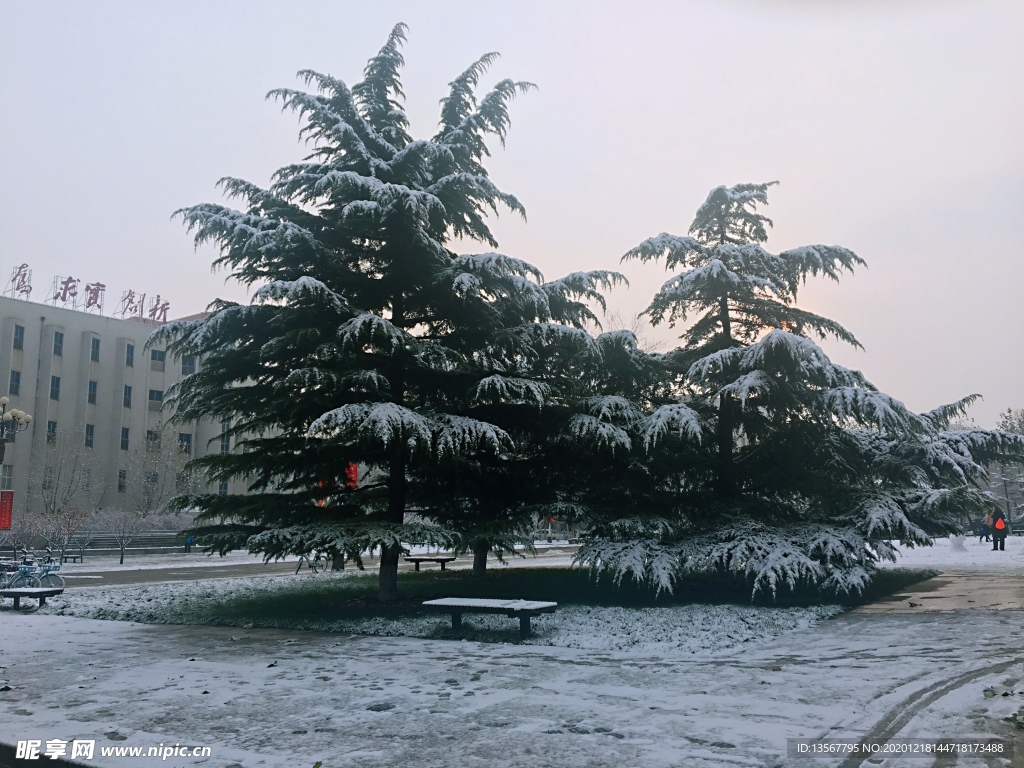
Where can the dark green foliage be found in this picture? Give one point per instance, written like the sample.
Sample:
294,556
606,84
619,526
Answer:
367,339
773,462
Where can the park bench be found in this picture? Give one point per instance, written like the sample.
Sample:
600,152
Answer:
521,609
39,593
417,559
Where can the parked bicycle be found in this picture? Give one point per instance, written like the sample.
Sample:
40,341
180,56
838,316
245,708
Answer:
32,571
315,562
15,575
47,571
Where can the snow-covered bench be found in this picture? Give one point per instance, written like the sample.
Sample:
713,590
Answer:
39,593
521,609
417,559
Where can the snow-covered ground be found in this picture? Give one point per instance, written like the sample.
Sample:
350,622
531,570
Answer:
678,629
975,556
702,686
264,698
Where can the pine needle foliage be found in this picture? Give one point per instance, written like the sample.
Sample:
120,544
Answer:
367,339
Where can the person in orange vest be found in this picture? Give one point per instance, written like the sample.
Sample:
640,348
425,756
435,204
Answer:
999,531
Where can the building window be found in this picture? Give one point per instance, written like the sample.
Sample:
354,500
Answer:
55,387
157,355
152,480
90,435
92,392
185,442
15,385
51,433
122,480
124,438
58,344
19,337
127,396
225,438
6,477
95,354
86,480
222,489
156,395
188,365
47,478
129,356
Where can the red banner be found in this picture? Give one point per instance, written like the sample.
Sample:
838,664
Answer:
6,509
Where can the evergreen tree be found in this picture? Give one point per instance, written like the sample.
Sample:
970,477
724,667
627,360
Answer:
367,340
1006,480
538,370
772,461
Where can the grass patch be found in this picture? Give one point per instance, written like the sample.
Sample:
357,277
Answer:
312,600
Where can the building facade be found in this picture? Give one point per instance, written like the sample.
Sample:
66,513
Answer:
91,376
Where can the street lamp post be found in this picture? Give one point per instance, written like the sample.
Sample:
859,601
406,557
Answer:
11,422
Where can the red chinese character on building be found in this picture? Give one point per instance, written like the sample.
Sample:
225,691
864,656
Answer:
131,304
158,309
94,293
65,290
21,281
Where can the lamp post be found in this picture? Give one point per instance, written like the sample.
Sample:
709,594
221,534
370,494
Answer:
11,422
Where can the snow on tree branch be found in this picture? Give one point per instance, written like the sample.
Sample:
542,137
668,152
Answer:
676,418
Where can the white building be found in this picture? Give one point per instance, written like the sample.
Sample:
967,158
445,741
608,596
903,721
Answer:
91,374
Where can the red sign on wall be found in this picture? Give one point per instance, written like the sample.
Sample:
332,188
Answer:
6,509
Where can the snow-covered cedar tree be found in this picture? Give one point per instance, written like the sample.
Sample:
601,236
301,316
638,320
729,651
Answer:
367,339
779,465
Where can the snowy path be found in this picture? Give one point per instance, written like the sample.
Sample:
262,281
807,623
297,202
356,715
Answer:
444,703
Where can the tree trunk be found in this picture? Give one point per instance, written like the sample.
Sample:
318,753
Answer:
480,549
387,579
725,480
388,576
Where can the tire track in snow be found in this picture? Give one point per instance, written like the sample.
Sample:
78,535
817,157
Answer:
896,719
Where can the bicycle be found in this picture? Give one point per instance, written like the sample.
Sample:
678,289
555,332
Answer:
316,563
42,572
48,576
18,576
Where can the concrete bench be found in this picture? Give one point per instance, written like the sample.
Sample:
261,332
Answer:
521,609
39,593
442,559
71,557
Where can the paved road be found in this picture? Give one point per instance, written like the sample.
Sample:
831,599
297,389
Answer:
180,573
956,590
187,572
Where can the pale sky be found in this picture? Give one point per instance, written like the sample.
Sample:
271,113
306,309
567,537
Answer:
895,129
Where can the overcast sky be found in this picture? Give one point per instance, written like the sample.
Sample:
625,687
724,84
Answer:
894,129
